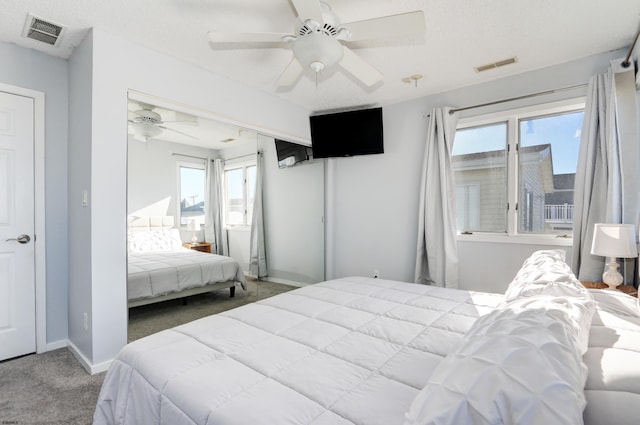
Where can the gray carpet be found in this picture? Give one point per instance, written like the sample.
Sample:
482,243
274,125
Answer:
53,389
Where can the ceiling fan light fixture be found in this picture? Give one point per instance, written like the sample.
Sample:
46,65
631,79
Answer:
146,130
318,51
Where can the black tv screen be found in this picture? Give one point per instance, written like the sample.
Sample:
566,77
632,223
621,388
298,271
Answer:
347,133
290,154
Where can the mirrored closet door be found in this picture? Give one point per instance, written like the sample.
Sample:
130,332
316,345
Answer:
225,190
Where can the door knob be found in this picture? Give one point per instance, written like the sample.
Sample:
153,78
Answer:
20,239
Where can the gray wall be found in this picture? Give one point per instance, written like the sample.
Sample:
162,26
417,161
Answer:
37,71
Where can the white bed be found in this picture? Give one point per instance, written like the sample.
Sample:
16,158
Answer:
370,351
160,268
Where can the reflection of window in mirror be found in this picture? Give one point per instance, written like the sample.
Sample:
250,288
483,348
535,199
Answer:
191,186
239,191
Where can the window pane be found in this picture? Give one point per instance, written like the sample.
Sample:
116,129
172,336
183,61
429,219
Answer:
234,180
548,156
191,195
480,169
251,189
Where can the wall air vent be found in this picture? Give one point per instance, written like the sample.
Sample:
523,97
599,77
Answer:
42,30
494,65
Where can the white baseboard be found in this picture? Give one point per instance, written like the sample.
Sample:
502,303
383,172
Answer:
91,368
285,282
56,345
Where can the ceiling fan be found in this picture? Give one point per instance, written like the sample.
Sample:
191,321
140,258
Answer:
146,123
319,40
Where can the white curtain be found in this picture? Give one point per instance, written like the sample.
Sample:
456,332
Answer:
437,251
257,246
214,231
607,177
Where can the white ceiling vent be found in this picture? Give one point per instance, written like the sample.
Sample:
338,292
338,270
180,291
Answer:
494,65
42,30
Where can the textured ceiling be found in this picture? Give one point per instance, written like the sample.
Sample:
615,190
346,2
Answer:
460,35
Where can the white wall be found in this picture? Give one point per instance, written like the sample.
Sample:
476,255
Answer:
152,176
293,216
80,236
373,201
36,71
117,67
490,266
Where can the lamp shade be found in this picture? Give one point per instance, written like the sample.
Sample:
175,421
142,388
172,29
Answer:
614,240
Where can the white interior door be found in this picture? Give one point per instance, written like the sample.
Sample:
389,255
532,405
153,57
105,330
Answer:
17,266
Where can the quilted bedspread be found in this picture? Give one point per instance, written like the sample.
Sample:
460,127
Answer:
151,274
347,351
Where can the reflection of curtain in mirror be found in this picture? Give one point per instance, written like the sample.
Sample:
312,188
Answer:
257,248
213,228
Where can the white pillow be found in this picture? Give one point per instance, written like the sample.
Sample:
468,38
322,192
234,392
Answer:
519,365
616,302
545,272
576,314
155,241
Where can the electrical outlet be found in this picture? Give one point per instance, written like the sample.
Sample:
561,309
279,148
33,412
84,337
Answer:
376,274
85,321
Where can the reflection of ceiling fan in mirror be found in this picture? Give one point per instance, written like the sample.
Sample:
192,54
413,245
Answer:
319,40
146,123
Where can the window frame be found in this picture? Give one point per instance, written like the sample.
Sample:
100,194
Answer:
187,164
244,164
513,117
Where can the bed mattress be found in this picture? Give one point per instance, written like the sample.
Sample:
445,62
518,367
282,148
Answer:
347,351
153,274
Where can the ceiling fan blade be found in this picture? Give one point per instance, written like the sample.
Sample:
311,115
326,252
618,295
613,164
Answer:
176,131
386,26
247,37
360,69
309,9
291,73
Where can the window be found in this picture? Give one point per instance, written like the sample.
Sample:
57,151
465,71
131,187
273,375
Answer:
515,171
480,161
240,187
191,184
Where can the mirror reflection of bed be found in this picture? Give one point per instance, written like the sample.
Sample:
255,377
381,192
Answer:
190,193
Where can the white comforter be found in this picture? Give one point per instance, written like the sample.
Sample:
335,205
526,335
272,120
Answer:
158,273
348,351
368,351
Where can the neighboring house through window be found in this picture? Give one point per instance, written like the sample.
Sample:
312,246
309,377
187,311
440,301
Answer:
515,171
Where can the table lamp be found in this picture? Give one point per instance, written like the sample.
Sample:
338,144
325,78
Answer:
614,241
191,225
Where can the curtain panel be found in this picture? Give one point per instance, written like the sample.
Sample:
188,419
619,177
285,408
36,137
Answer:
607,177
437,250
257,247
214,231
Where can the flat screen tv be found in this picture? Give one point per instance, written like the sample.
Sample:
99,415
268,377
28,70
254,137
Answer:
347,133
290,154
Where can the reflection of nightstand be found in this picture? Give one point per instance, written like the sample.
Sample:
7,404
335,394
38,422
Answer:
627,289
199,246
